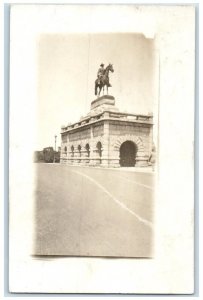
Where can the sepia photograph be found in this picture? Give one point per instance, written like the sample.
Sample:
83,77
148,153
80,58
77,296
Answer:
101,149
96,181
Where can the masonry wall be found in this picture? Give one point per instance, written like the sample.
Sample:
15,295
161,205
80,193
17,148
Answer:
140,134
99,143
81,146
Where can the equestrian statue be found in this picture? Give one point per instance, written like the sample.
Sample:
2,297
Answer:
103,78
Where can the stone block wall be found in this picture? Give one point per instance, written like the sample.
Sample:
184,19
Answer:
100,143
96,140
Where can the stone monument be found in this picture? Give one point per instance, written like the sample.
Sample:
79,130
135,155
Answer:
107,137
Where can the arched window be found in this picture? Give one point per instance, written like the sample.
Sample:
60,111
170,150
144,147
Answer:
87,147
72,151
99,149
65,150
79,150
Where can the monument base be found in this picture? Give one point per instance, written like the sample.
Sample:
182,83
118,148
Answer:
105,102
105,99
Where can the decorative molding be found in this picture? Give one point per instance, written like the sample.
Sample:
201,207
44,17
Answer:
132,138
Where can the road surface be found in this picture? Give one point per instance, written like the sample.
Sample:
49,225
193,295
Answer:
86,211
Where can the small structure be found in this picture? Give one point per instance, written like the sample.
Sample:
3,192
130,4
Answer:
107,137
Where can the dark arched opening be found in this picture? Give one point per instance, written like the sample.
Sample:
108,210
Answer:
128,152
72,151
99,152
65,151
87,147
79,150
99,149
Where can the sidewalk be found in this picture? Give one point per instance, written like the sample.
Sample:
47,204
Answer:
147,169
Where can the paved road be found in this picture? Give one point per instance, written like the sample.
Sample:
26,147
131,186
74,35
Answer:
92,211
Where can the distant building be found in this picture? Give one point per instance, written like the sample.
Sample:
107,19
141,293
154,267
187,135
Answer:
107,137
47,155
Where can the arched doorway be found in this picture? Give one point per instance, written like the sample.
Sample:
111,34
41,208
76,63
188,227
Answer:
99,152
128,152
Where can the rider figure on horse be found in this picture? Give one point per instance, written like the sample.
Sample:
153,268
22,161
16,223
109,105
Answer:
100,73
103,78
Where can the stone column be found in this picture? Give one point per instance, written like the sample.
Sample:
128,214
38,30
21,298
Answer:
92,148
76,156
84,155
141,159
105,145
69,157
114,160
96,157
114,154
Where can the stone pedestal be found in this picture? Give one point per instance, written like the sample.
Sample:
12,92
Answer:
103,103
106,99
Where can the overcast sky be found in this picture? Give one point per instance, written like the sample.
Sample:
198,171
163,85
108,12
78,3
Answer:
68,65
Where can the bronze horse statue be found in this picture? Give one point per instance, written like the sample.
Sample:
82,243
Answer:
104,81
